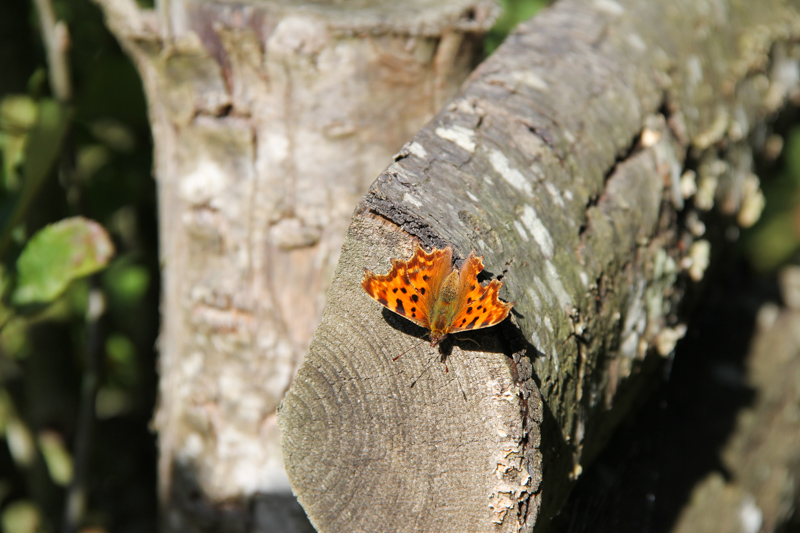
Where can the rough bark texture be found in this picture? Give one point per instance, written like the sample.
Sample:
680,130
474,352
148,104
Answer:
580,162
269,121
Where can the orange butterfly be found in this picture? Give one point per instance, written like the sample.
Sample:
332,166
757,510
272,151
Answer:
430,292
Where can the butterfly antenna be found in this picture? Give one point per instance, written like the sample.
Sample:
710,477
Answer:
408,350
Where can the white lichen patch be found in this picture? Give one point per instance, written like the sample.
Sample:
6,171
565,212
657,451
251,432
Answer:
191,366
544,291
521,230
750,515
667,338
247,463
629,345
649,137
753,202
556,286
584,279
740,125
535,339
697,260
465,106
704,198
417,149
694,70
407,198
459,135
694,224
688,184
540,234
535,300
472,197
530,79
635,322
275,144
554,193
512,176
204,184
636,42
609,6
193,446
715,132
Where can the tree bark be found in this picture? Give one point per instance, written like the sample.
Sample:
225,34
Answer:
269,122
581,161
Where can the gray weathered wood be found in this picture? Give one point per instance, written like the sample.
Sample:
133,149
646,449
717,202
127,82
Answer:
579,161
270,120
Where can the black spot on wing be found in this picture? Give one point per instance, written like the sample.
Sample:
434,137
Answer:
399,307
414,298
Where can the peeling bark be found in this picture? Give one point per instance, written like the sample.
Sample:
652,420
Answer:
270,119
580,161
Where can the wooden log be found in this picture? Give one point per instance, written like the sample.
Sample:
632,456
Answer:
580,161
270,120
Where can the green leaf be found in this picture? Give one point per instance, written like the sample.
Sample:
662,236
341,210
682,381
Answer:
42,148
18,114
58,254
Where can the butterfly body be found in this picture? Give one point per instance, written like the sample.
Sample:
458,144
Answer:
428,290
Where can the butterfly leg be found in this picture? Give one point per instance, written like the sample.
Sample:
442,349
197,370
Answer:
476,343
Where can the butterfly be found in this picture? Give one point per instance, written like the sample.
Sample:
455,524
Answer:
430,292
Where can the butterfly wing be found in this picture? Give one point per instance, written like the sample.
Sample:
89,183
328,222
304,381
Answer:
427,271
411,287
479,306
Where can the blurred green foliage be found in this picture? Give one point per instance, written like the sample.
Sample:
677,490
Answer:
775,239
514,12
75,186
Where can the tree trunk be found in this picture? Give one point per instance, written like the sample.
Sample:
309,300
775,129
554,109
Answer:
269,120
581,162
